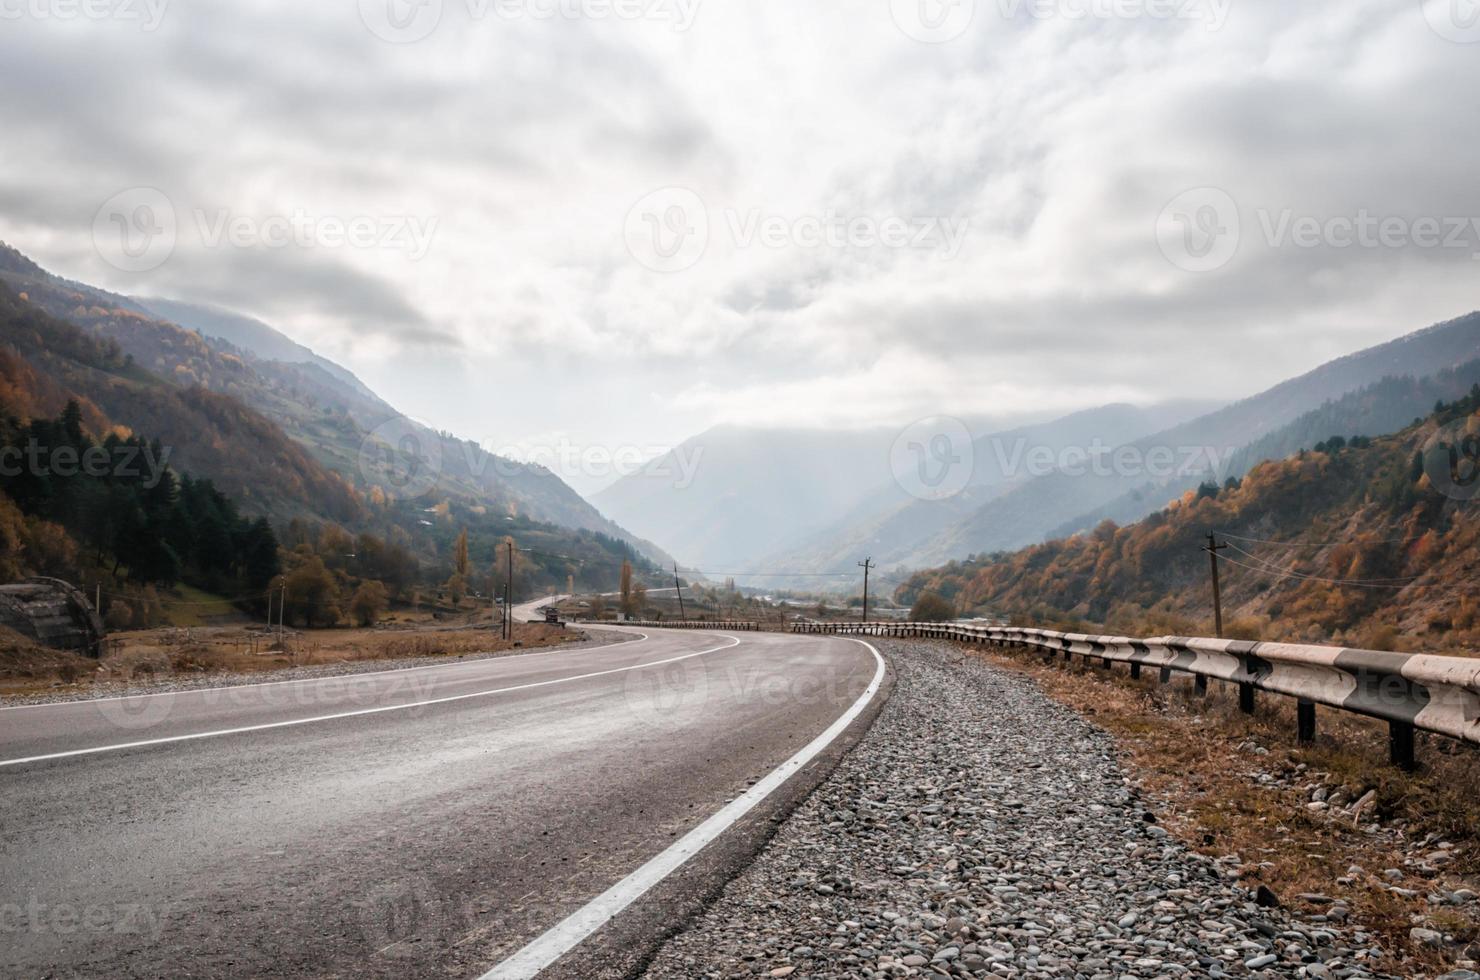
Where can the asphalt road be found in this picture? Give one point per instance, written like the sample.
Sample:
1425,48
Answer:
427,822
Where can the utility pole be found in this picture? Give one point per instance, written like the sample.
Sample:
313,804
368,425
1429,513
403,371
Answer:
282,607
1245,691
866,564
509,594
1212,548
679,586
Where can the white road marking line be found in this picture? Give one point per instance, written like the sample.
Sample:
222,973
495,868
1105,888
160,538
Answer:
364,711
480,661
565,936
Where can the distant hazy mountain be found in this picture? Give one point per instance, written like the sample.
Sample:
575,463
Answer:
730,495
1030,512
1379,409
889,523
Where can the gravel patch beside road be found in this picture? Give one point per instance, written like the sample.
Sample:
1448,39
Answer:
207,681
982,830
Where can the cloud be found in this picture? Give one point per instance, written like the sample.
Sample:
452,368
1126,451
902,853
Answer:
1054,143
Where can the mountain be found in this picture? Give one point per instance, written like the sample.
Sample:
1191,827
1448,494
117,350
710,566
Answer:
323,410
890,522
1029,512
1376,410
250,335
732,494
1365,542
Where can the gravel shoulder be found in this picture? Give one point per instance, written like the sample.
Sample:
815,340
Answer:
211,680
980,829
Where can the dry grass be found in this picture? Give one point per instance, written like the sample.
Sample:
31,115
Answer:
160,654
1195,755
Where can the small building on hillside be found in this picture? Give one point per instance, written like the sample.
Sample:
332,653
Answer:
53,613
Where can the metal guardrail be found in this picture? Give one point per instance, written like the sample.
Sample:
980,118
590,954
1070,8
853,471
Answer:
670,624
1411,692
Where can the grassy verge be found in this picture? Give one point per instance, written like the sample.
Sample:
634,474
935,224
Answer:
163,654
1330,827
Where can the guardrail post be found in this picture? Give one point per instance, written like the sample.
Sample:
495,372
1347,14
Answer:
1135,671
1246,698
1400,745
1200,683
1305,725
1166,675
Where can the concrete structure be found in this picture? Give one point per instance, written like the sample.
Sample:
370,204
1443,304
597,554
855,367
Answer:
53,613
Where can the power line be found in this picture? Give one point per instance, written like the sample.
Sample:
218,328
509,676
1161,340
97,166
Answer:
1388,581
1309,544
1309,578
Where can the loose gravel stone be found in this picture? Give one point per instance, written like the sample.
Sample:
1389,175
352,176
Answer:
980,829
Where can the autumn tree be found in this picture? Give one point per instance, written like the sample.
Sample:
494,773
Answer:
460,555
625,589
312,594
369,603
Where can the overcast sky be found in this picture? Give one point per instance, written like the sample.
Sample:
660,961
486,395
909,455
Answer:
622,229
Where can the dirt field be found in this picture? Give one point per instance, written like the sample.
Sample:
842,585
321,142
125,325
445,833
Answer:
162,654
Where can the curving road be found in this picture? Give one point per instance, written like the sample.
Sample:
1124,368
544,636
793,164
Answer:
516,815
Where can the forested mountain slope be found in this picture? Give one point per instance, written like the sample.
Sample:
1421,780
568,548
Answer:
1363,542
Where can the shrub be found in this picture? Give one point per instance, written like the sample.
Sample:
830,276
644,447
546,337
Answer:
931,608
